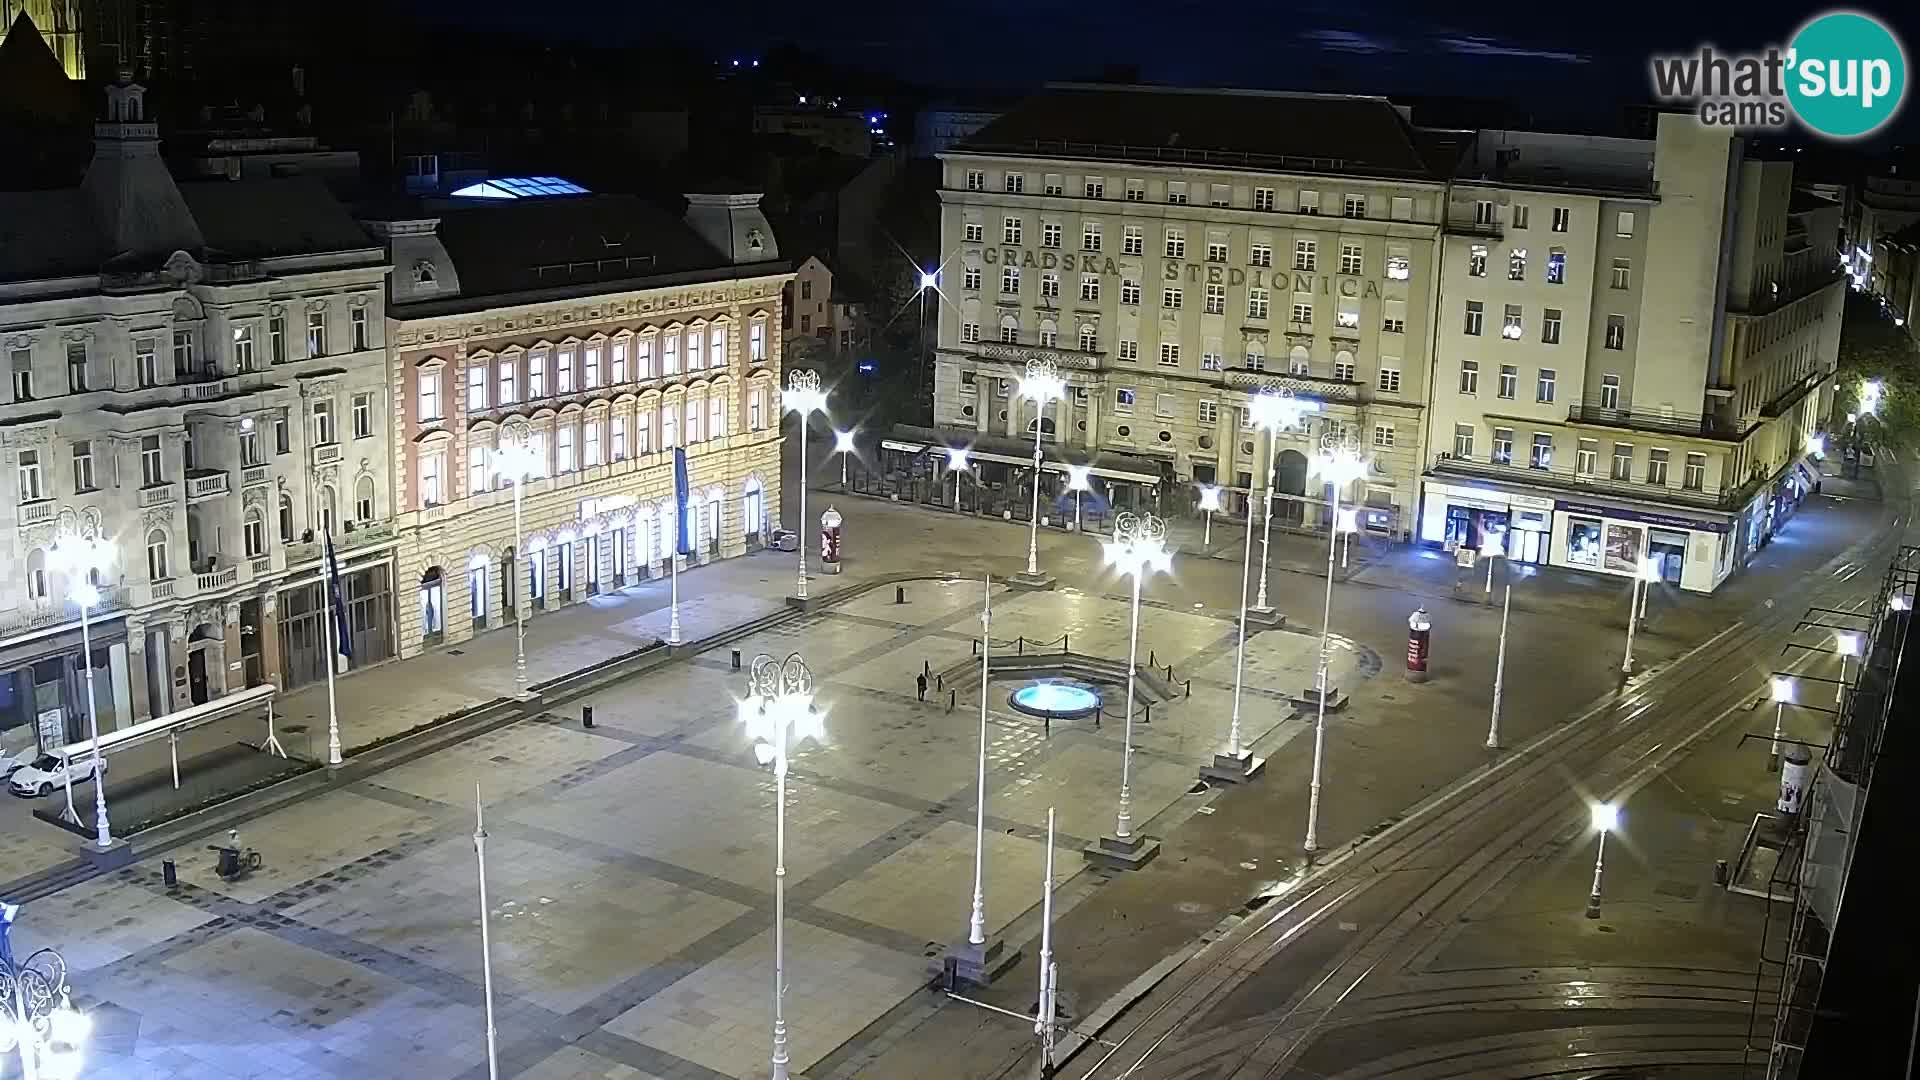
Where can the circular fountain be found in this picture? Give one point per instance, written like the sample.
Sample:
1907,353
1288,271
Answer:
1056,700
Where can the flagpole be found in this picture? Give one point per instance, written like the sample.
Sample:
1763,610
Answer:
673,561
333,658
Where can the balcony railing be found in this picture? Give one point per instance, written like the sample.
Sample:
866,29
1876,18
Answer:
1564,477
326,453
1019,354
1607,413
38,512
163,590
217,579
262,565
156,495
256,475
205,483
207,391
36,616
1470,227
1299,385
361,536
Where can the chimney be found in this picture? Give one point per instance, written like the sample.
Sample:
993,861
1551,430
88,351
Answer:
733,225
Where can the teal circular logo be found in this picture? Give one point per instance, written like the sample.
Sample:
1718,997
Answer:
1846,74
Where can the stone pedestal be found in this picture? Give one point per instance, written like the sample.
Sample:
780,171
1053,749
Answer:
1233,769
1032,582
1114,854
1265,618
1309,699
111,857
978,964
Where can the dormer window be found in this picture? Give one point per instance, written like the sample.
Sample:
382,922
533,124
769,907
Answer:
423,276
754,240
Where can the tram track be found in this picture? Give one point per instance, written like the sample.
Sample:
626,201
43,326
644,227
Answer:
1447,855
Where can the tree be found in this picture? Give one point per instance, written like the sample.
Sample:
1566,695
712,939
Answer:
1873,348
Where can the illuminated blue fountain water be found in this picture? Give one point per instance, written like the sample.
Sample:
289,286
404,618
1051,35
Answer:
1056,700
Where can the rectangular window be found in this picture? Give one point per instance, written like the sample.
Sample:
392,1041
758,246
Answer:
316,333
1255,358
1096,188
1089,289
975,232
1586,457
431,492
479,469
1049,337
1089,339
357,322
250,448
1343,370
1657,467
183,352
1133,240
1010,332
1176,244
1502,446
1166,406
1216,299
1257,300
1356,206
1306,253
643,428
152,472
1391,325
1129,291
1049,286
1550,326
1090,236
1216,251
1351,259
1209,412
31,487
1695,478
1299,364
670,354
1519,215
1463,440
1469,376
1171,299
1556,266
1623,461
1562,217
1016,183
1509,381
717,348
476,388
1260,255
617,431
1009,280
77,367
277,339
1610,391
1309,202
146,362
1511,328
716,416
563,448
1010,230
1616,332
1127,350
1383,436
362,415
1476,317
1050,234
563,372
1483,212
1389,379
1622,273
1177,192
1347,314
282,440
1211,360
1517,264
1402,208
1545,386
1222,195
509,391
322,422
429,397
590,367
1169,354
591,440
1623,223
1123,401
1541,455
1477,261
976,180
243,349
1303,313
970,332
757,342
1263,198
970,279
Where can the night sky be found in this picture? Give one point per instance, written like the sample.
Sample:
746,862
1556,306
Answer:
1564,63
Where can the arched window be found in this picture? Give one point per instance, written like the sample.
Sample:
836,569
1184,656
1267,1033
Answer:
157,563
363,500
1299,361
286,518
37,575
254,532
753,507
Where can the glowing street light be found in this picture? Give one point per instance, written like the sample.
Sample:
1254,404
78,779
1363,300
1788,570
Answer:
1817,445
1138,548
1606,818
805,397
1209,502
1848,646
1346,521
518,460
843,445
37,1016
1338,464
1273,412
1782,691
83,558
1648,574
1041,384
956,464
777,713
1898,602
929,280
1079,479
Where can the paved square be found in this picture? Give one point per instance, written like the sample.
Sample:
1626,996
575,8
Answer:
509,761
926,888
310,838
99,922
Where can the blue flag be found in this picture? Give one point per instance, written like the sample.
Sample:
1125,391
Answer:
339,601
682,506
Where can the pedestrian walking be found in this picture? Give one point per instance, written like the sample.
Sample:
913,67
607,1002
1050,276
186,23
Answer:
920,685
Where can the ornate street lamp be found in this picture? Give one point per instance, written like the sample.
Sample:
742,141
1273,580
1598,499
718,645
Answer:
843,445
517,460
82,558
1138,548
779,712
1041,384
1606,818
805,397
1273,412
37,1016
1338,463
1079,479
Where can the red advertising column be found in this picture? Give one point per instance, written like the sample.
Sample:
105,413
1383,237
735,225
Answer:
830,541
1419,644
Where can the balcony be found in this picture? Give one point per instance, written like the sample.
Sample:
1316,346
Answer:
162,590
37,616
205,484
1020,354
262,565
1308,386
1601,412
1470,227
211,389
219,578
326,453
256,476
156,495
1562,477
38,512
360,536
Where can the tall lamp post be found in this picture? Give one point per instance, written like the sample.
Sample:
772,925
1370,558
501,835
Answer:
805,397
1648,574
37,1016
1499,670
1847,644
843,445
1138,548
778,712
1338,463
1273,412
82,557
1209,502
1041,384
1079,480
518,461
956,464
1606,818
1782,692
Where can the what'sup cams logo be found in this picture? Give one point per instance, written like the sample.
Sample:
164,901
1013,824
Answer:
1844,76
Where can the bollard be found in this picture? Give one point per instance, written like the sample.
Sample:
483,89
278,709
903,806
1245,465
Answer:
1152,660
586,716
1169,672
168,874
1147,713
953,698
1064,645
1720,875
736,659
926,667
1046,725
1189,685
899,594
939,682
1020,645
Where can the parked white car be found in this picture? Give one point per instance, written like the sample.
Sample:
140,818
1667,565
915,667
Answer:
45,773
11,763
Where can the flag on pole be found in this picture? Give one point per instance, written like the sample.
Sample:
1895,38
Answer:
338,600
682,505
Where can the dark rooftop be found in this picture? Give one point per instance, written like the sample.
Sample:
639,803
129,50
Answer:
1223,128
258,219
1804,201
47,234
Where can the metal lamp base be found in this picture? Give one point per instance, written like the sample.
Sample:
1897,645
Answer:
1115,854
978,964
1032,582
1266,618
1233,768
